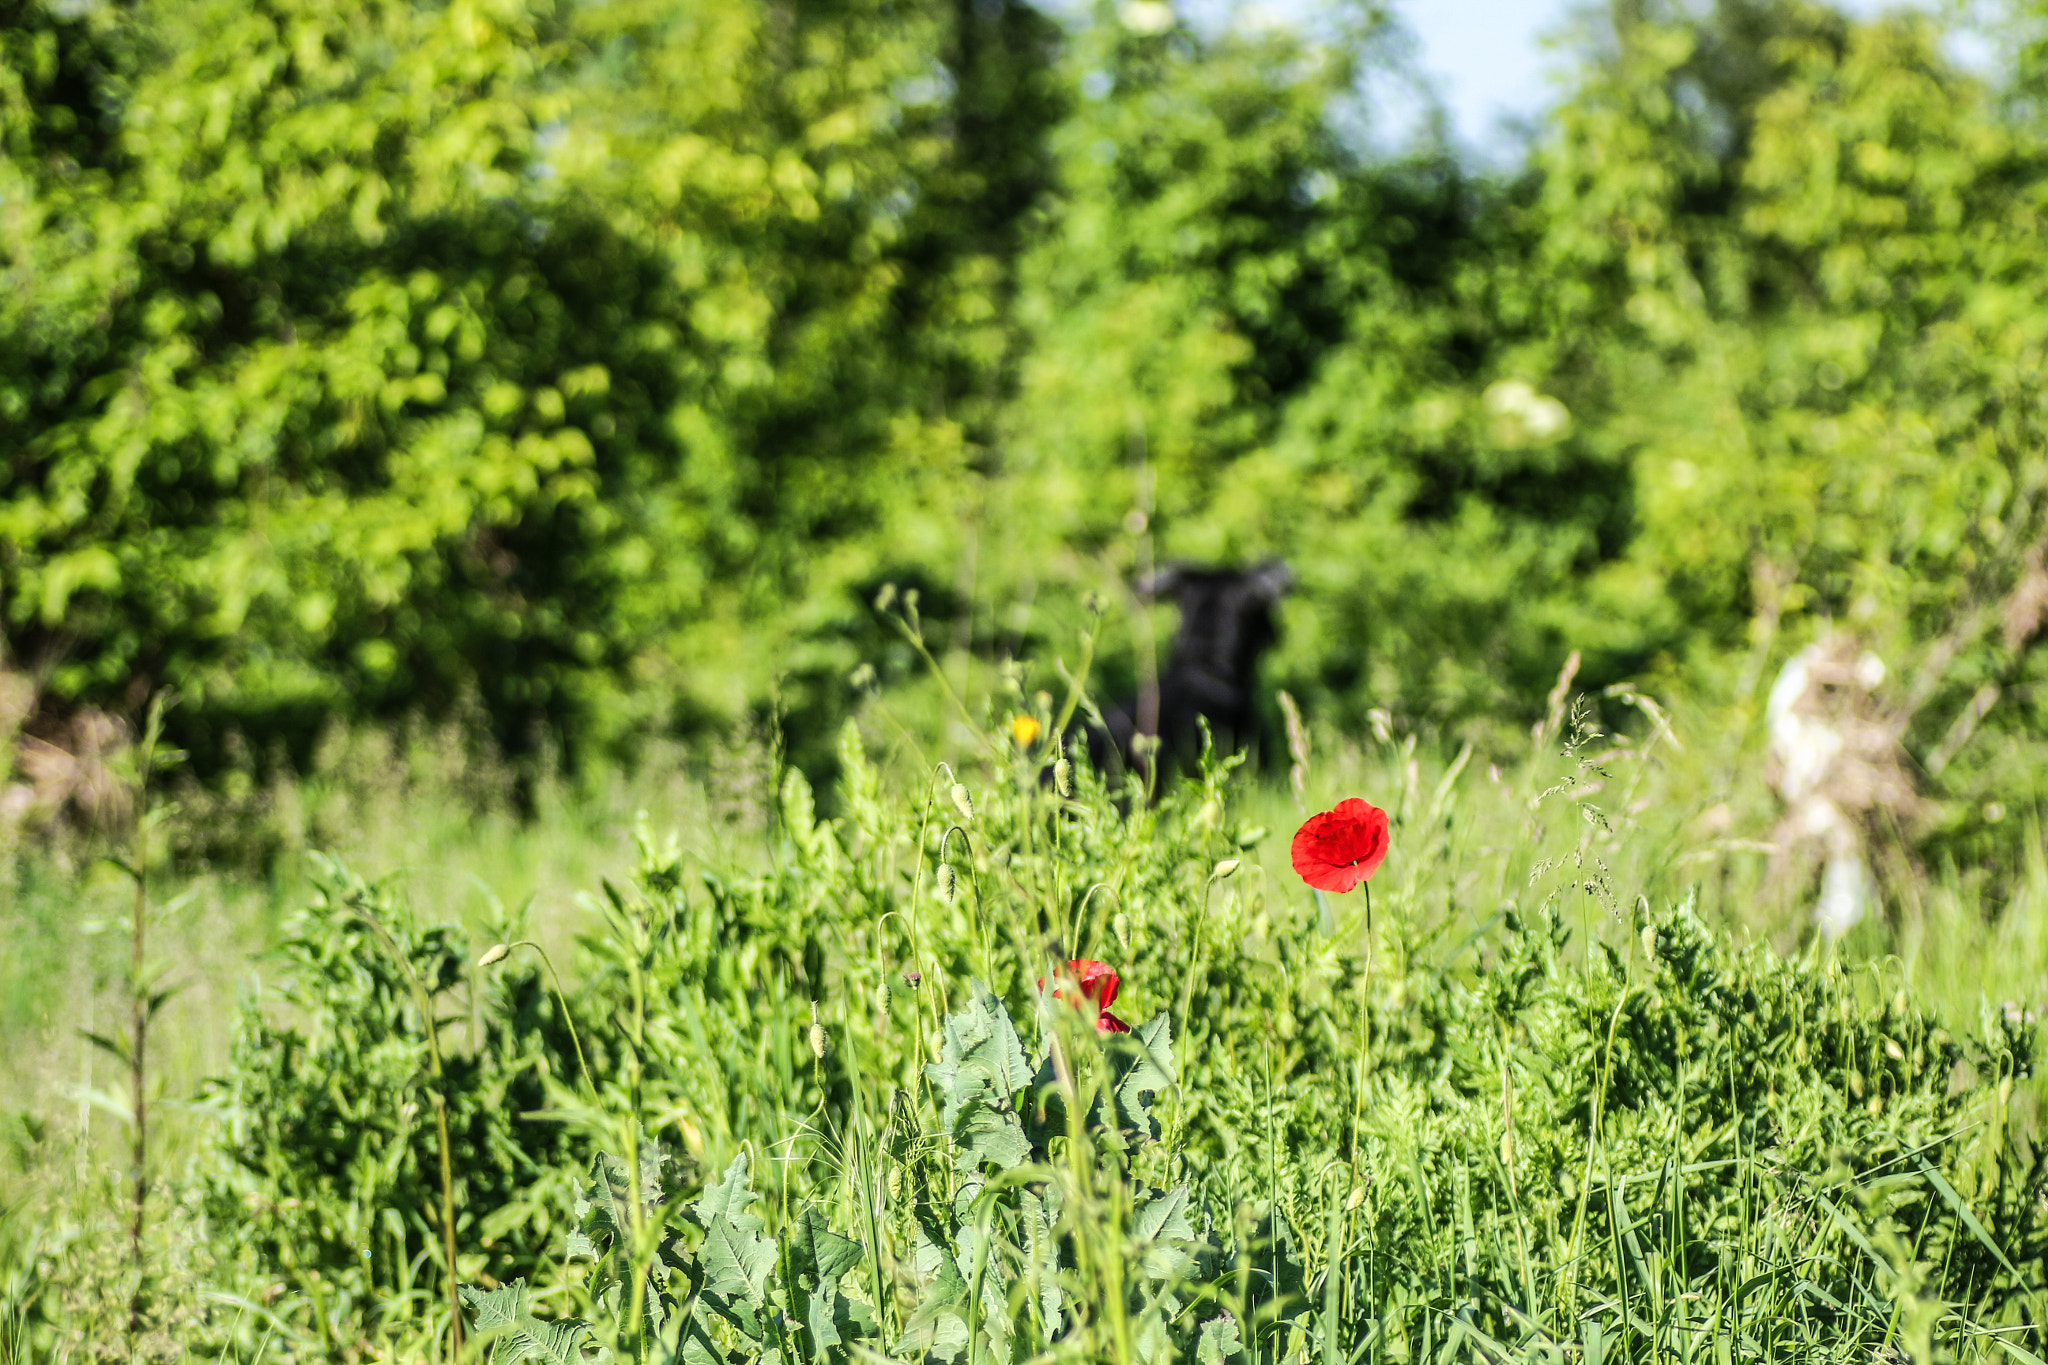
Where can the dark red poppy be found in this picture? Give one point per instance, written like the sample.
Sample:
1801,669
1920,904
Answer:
1098,983
1340,848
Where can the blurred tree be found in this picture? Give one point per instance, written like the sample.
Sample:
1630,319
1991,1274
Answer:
367,360
589,366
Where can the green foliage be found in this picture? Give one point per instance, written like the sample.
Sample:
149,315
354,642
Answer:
1553,1123
497,361
349,371
329,1164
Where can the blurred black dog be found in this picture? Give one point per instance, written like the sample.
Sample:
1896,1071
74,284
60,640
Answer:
1226,623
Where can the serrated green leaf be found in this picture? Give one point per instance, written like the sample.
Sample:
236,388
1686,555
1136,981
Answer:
730,1198
557,1343
1142,1064
521,1336
1218,1342
981,1069
1162,1224
495,1308
818,1254
821,1315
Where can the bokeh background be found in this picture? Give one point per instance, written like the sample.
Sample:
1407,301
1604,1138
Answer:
574,375
501,428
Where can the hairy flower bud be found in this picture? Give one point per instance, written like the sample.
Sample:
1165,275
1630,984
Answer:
821,1042
497,952
1226,869
949,883
1063,777
961,801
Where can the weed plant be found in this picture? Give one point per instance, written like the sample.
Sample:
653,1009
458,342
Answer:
817,1106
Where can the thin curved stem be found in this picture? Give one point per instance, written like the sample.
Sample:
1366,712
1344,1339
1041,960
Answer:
424,1004
575,1039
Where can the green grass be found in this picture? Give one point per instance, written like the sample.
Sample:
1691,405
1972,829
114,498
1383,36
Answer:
1582,1088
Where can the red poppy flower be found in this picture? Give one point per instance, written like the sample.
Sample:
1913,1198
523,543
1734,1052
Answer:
1340,848
1098,983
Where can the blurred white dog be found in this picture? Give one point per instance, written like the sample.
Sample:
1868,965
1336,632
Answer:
1834,761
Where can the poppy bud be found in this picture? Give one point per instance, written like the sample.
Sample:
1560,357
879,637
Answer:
1226,869
886,598
1063,777
1650,942
912,978
1122,925
1357,1198
495,953
821,1042
961,802
949,883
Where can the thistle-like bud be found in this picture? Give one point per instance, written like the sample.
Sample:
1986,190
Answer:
1063,777
497,952
1226,869
961,801
949,883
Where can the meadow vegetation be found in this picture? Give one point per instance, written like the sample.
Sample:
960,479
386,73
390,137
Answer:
797,1092
543,546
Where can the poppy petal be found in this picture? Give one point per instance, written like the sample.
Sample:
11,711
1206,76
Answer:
1109,1023
1337,849
1098,980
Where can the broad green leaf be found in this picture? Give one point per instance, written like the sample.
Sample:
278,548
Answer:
1218,1341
